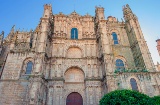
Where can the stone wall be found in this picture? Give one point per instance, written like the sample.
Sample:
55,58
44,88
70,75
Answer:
14,63
13,92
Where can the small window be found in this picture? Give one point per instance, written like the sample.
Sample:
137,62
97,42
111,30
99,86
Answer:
133,84
115,39
31,41
29,67
74,33
119,64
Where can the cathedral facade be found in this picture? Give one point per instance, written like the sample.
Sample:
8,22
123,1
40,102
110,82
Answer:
75,60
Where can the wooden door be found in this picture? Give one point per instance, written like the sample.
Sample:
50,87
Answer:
74,99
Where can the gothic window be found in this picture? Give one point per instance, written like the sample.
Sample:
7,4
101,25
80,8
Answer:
119,64
115,39
74,33
29,67
133,84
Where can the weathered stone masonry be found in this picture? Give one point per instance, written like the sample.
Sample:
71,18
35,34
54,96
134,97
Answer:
85,55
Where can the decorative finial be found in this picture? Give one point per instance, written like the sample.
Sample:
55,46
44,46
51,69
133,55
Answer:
2,33
22,29
122,20
74,8
1,37
12,29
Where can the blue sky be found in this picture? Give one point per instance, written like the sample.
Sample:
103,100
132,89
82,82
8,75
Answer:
25,14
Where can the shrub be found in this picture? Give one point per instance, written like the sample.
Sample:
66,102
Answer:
156,100
125,97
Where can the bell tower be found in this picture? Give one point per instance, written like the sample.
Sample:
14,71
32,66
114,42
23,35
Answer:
40,43
44,28
141,54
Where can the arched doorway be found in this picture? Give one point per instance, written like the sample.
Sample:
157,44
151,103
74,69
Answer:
74,99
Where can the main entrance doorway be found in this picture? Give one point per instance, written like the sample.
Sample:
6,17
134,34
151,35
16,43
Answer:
74,99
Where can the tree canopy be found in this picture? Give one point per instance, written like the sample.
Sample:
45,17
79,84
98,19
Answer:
156,100
125,97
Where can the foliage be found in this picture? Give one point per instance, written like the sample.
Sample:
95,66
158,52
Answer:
130,70
125,97
144,70
156,100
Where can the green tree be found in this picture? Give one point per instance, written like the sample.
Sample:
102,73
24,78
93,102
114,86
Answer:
156,100
125,97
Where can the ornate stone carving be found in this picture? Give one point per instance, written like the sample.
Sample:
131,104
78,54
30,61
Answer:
62,65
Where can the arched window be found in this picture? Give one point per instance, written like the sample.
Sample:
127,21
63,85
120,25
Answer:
115,39
29,67
119,64
133,84
74,33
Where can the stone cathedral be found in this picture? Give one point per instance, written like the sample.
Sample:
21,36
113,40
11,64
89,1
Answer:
75,60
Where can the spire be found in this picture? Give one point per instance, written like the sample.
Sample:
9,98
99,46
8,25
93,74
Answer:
127,13
127,9
2,33
11,34
12,29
